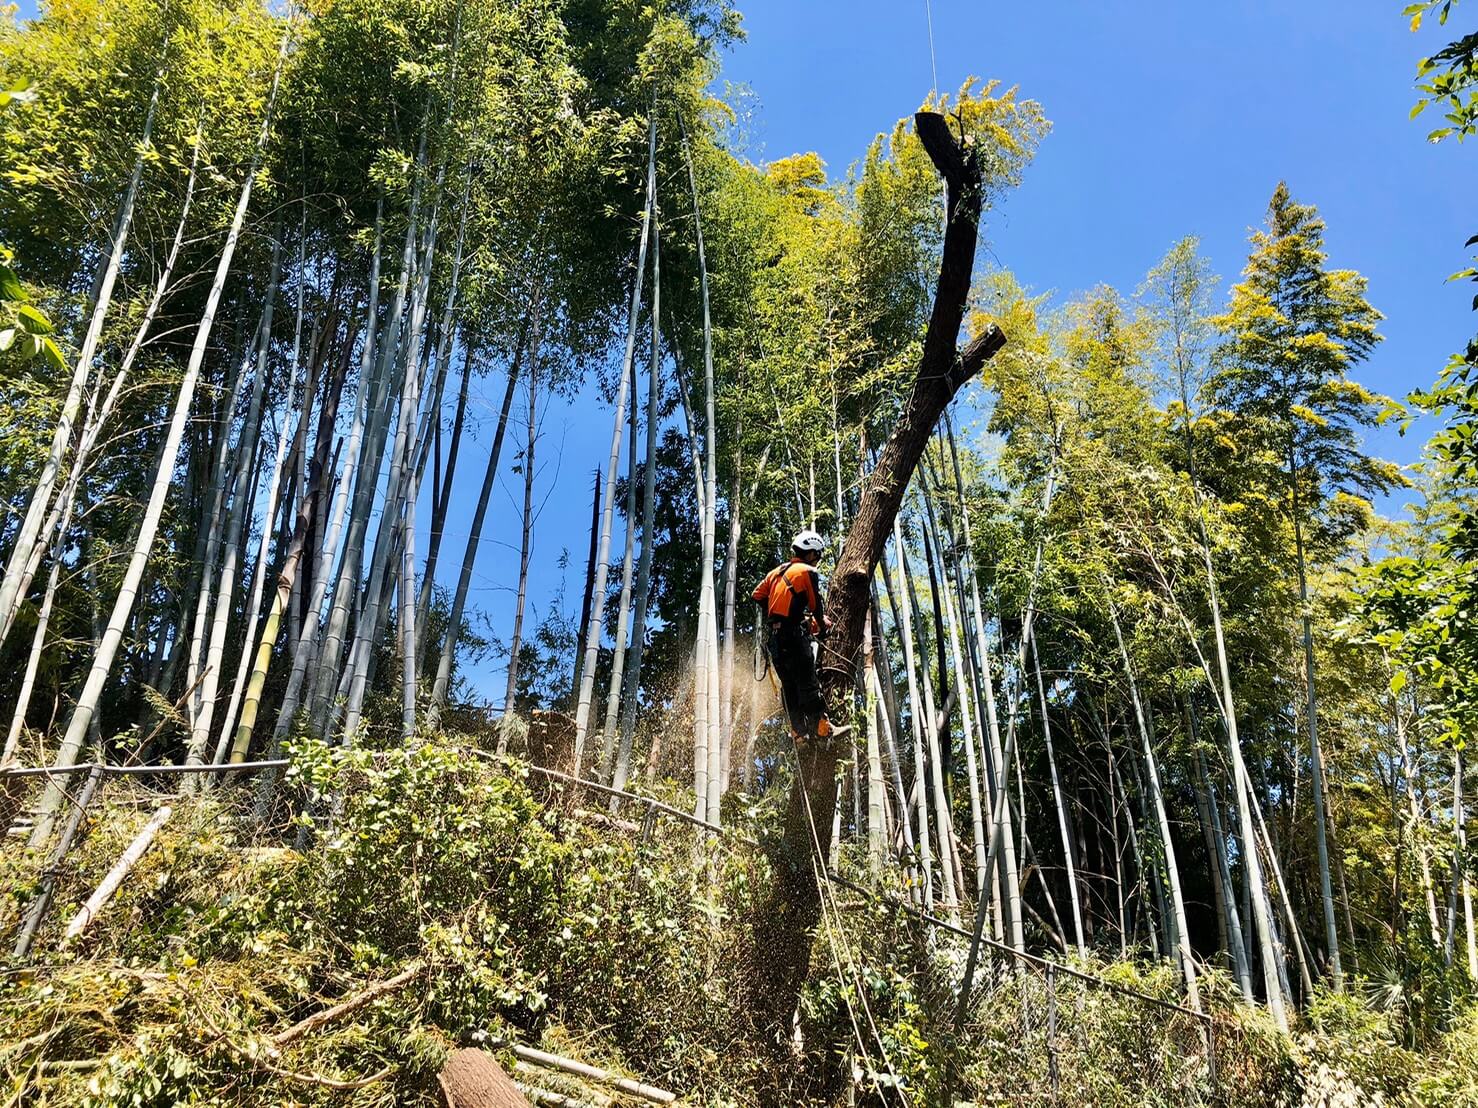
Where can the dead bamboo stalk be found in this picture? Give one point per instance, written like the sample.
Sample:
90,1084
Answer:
115,876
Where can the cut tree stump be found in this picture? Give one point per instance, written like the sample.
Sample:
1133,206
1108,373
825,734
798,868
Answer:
472,1078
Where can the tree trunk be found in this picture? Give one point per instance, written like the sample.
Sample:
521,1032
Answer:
1316,760
593,634
443,354
525,549
632,692
274,486
623,613
708,668
102,663
904,619
785,931
1241,966
241,492
589,595
933,724
1172,871
303,645
1060,804
381,356
533,338
30,535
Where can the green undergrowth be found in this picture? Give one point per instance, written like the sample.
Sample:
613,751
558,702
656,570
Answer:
533,916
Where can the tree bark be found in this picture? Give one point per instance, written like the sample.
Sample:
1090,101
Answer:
785,930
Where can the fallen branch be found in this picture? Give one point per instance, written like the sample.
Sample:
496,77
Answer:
531,1076
347,1007
109,885
603,820
326,1082
594,1073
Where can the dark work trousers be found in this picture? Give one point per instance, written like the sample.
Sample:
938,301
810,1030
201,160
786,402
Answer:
795,665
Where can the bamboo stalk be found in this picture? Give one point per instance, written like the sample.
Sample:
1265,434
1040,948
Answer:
115,876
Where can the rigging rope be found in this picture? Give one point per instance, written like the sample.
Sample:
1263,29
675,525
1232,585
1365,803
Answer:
933,69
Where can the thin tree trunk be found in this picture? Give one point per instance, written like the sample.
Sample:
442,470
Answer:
102,663
259,577
442,501
591,646
623,611
877,829
241,742
241,503
303,645
1256,894
94,429
30,535
1008,880
1226,900
525,549
38,642
707,607
528,347
1172,871
1001,805
1241,965
1316,760
1417,845
632,692
1061,805
921,788
585,603
382,357
967,722
943,817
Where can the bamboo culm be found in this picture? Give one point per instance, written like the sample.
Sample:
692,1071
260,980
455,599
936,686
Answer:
102,663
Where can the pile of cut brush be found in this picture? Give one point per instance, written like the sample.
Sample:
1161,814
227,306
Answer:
442,903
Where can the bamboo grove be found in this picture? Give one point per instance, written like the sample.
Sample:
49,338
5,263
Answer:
1144,674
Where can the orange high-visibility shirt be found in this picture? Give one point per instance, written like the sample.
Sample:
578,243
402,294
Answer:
790,590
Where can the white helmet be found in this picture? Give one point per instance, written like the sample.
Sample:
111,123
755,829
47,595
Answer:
808,542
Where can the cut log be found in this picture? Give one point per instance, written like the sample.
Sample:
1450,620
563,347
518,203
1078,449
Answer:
472,1078
109,885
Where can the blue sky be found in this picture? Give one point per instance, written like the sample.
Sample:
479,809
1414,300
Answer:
1168,120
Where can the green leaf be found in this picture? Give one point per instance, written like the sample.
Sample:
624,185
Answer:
33,320
1418,108
10,285
54,355
7,338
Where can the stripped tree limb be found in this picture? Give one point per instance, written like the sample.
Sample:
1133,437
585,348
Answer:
121,869
349,1006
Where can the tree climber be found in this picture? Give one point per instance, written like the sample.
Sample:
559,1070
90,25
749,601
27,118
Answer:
794,617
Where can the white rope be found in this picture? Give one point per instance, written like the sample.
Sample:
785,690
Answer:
933,68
